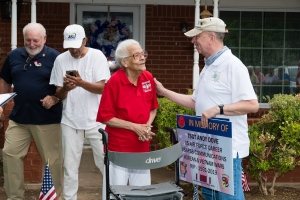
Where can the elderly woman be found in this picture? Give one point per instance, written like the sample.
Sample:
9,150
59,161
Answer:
252,75
128,107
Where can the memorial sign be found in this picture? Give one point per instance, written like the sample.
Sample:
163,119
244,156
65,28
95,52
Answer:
207,153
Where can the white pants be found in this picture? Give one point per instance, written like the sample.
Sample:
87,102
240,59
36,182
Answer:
122,176
73,141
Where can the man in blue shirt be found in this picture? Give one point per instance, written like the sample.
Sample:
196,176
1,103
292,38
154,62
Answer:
283,77
36,113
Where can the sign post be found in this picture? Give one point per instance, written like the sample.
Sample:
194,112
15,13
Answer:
207,153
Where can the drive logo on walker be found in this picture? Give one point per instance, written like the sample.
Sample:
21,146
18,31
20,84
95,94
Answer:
153,160
207,152
72,36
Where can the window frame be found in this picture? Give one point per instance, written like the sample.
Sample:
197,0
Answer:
262,29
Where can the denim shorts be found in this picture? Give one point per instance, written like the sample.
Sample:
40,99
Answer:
209,194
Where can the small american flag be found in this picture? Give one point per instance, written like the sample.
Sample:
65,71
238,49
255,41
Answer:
195,194
48,191
244,182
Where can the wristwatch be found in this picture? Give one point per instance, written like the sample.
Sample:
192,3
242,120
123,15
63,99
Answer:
221,109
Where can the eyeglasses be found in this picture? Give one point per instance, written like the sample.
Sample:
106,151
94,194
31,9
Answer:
137,56
27,63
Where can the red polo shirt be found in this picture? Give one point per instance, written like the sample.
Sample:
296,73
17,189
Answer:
123,100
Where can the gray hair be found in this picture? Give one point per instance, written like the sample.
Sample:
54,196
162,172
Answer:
219,36
122,50
34,26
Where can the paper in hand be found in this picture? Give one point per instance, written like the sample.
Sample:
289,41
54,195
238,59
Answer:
5,98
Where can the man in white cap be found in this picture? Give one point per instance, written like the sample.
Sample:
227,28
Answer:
80,92
224,90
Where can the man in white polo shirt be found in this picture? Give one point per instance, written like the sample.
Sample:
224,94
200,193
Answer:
224,90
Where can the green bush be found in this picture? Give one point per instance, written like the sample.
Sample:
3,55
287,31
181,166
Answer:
275,141
166,117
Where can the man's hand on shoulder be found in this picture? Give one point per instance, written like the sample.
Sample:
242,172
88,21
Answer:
160,89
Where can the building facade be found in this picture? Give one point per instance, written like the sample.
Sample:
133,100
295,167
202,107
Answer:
261,33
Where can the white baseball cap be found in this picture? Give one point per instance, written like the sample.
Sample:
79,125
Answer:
73,36
212,24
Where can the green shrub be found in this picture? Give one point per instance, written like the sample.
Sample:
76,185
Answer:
275,141
166,117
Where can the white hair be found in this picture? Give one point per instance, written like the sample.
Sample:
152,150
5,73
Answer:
34,26
122,50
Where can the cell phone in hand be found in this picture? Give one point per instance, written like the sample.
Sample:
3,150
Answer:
71,72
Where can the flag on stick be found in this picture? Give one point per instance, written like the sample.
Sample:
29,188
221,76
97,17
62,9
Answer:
245,182
48,191
195,194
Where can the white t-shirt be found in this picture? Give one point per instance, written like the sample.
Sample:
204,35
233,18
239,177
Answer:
81,106
226,81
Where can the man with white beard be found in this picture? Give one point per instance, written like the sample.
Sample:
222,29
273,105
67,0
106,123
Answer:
36,113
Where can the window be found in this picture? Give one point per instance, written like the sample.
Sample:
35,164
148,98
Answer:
269,42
